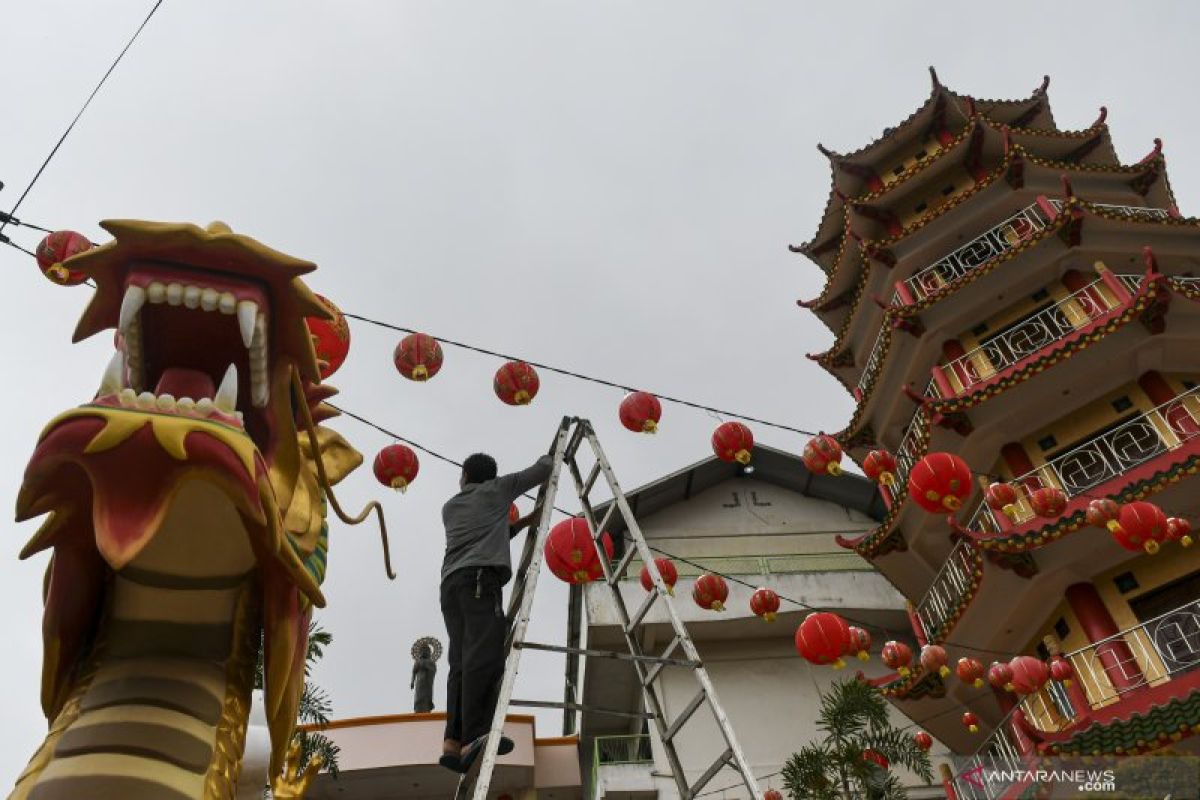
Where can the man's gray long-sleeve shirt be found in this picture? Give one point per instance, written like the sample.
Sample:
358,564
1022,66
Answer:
476,520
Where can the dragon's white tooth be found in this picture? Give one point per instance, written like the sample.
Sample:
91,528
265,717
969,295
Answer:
227,303
208,299
191,297
174,294
226,399
128,397
247,313
185,404
241,418
114,375
156,292
204,406
135,298
165,402
146,400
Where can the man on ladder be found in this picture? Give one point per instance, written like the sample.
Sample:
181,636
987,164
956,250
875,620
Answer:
475,568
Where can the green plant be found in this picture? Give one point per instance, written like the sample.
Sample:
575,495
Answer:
854,718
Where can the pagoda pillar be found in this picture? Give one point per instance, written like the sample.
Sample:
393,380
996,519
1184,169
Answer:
1098,625
1156,387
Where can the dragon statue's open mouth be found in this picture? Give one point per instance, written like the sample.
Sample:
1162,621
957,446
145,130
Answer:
185,515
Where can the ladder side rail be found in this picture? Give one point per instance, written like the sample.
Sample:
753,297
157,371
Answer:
740,763
478,788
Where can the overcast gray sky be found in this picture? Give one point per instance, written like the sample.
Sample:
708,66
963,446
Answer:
607,186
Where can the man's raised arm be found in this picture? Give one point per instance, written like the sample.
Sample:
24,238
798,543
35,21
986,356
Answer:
517,483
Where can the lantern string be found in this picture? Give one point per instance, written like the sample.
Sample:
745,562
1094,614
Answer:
581,376
86,103
5,240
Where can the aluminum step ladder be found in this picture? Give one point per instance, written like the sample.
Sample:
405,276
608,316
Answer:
680,653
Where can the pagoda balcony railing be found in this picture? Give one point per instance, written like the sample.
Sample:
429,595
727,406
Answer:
874,362
1001,238
1161,429
1035,333
942,599
993,242
908,452
1149,654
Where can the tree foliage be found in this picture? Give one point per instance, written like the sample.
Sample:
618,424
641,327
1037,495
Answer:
853,718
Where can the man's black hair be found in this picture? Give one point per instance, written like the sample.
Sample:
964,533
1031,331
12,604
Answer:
479,467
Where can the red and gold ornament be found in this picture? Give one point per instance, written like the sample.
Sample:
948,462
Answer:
1141,526
970,721
1061,670
516,383
923,740
970,670
764,603
822,455
571,554
396,466
1000,676
823,638
933,659
875,757
418,357
1179,530
57,247
1028,674
1048,502
860,643
940,482
331,338
710,592
666,570
640,412
880,466
733,441
897,656
1102,513
1001,497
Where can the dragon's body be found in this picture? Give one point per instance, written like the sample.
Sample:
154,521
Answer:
184,531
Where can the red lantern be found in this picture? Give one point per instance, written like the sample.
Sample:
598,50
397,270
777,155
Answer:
1179,530
418,357
516,383
57,247
970,670
880,466
1000,675
570,553
971,721
1048,502
875,757
860,643
396,466
666,571
710,592
772,794
897,656
933,659
823,454
331,338
596,572
640,412
1001,497
1103,513
923,740
514,514
1028,674
764,603
940,482
1061,670
1141,526
823,638
733,441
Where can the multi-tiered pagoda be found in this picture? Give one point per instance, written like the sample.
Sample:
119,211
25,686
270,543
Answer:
1013,293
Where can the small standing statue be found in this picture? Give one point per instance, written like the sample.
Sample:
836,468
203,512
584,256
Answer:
425,652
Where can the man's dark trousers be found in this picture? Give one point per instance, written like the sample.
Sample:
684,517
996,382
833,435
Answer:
475,622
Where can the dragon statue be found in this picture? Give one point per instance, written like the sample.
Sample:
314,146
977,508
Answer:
186,514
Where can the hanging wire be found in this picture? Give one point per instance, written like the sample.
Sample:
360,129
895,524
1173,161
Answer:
86,103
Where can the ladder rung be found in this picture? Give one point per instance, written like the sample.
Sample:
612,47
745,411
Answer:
711,772
591,480
612,712
663,660
573,444
619,571
607,516
685,715
643,609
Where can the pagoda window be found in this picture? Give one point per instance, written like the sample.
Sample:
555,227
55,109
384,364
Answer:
1122,404
948,189
1126,582
1047,443
1039,295
1061,629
